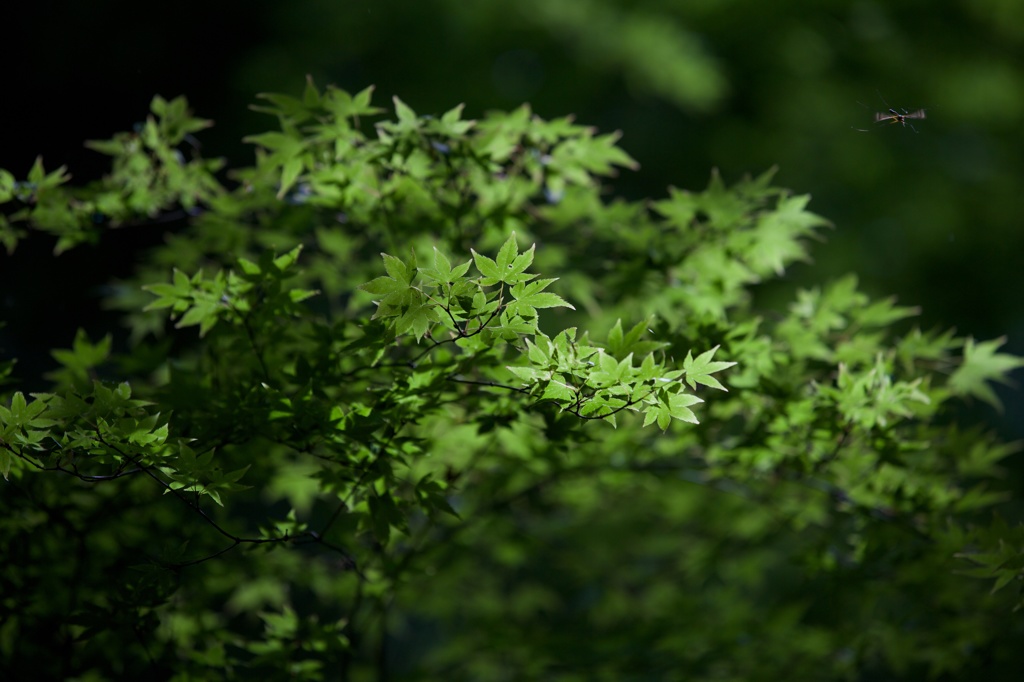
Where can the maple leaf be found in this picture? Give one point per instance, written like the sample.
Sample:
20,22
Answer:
699,370
981,365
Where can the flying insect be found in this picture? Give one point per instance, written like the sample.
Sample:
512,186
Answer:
896,116
893,116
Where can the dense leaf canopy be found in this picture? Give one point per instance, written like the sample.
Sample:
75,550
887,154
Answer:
417,395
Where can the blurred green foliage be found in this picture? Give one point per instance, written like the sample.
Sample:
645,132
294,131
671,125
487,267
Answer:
386,438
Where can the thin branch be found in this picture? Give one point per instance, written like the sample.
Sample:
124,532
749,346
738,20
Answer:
488,384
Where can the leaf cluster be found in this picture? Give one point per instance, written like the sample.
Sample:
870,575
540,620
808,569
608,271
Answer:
392,399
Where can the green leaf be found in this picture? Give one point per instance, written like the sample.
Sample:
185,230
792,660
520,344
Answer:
528,296
559,391
518,266
699,370
671,406
442,266
385,515
417,319
404,112
620,344
432,496
543,300
247,266
310,96
539,354
492,274
284,146
679,404
290,172
530,375
398,270
299,295
204,314
283,262
84,355
383,285
451,125
507,253
981,365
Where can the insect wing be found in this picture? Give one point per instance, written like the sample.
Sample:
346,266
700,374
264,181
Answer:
893,116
